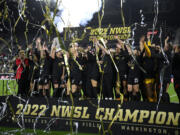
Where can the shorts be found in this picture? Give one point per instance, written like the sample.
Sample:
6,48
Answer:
44,80
56,79
76,82
95,74
123,77
133,81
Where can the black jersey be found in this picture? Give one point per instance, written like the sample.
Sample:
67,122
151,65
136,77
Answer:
91,60
74,66
33,71
121,61
46,65
134,72
107,65
148,64
57,69
75,71
133,69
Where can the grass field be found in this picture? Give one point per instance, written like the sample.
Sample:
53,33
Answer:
4,89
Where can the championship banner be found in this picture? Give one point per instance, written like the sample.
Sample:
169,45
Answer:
129,118
86,34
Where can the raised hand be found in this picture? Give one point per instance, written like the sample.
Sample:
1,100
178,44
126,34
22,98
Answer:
167,38
38,41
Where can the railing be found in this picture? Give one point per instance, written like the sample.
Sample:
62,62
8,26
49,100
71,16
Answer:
8,85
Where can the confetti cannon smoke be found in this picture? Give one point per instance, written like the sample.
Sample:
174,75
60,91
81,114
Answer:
75,12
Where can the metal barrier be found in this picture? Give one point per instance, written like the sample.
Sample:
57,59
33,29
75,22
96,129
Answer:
8,85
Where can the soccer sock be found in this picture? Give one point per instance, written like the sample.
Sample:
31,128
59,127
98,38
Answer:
138,96
40,92
47,92
130,96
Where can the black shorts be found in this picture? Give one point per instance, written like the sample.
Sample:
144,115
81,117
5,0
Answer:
76,78
76,81
56,80
133,80
44,80
123,77
95,74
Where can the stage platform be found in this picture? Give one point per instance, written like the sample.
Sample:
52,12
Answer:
90,116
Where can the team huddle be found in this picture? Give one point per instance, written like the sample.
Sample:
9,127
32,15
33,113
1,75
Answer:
101,70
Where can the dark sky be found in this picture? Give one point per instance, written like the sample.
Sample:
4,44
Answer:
169,11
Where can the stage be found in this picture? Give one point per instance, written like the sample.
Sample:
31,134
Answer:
90,116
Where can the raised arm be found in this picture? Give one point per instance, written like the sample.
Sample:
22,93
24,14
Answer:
53,52
121,43
143,45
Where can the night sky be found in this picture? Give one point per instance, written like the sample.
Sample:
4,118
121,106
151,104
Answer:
168,16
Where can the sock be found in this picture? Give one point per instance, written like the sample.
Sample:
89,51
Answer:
40,92
138,96
130,96
47,92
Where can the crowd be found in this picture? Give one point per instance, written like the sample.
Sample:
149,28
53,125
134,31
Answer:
100,70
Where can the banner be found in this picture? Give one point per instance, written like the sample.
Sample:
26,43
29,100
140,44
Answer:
129,118
86,34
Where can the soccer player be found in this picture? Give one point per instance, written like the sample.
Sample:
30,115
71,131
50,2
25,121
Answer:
45,69
148,62
121,58
134,75
75,70
58,70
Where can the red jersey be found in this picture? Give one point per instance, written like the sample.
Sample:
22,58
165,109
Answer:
20,67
